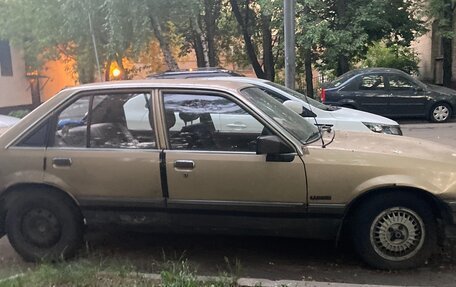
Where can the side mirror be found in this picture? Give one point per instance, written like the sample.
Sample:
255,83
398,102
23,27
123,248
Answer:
274,149
294,106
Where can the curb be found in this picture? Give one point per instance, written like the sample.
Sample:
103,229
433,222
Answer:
251,282
258,282
241,282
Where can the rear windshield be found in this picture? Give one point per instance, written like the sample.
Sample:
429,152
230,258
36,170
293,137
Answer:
342,79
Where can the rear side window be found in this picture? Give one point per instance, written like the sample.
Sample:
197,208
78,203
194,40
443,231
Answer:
110,121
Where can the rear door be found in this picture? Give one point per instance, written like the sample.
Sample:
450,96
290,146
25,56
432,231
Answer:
103,150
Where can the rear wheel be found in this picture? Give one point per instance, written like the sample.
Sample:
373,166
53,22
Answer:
440,113
44,225
395,231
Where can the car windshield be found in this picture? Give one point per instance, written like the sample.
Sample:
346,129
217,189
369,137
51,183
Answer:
300,96
296,125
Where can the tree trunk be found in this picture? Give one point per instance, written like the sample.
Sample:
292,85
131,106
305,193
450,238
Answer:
447,45
198,46
212,10
342,60
123,72
243,22
202,40
309,74
107,72
343,65
268,57
164,45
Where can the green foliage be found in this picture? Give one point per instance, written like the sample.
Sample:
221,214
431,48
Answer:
402,58
442,12
19,113
335,28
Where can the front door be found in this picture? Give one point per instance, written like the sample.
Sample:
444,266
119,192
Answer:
103,150
212,164
406,97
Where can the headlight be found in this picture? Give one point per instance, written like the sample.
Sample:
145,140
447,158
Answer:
385,129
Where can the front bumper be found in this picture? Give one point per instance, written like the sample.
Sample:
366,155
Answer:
450,226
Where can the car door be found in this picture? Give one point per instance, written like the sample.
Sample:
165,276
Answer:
406,97
103,151
208,167
371,95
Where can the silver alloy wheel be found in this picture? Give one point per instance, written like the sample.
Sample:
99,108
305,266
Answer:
440,113
397,234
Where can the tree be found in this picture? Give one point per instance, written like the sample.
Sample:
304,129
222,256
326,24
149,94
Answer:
253,16
344,29
443,11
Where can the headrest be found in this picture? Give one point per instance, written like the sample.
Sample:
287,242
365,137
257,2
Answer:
188,117
170,119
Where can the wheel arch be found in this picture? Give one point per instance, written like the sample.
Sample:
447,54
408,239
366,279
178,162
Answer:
8,195
441,101
439,208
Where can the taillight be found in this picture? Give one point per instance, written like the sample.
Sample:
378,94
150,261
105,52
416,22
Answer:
323,95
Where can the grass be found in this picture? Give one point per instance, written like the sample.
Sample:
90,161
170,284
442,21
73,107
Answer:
87,273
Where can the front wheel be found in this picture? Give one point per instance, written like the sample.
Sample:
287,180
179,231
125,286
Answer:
44,225
440,113
395,231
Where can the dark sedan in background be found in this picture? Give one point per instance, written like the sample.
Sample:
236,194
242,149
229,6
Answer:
390,92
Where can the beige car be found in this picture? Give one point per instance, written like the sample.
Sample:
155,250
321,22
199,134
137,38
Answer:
77,160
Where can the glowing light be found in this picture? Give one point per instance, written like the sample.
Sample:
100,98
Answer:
116,72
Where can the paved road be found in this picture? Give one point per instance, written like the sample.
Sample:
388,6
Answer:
440,133
264,257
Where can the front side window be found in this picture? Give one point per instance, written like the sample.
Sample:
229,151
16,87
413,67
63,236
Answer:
209,122
106,121
372,82
400,83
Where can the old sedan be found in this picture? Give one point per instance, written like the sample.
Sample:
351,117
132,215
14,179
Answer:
391,93
80,159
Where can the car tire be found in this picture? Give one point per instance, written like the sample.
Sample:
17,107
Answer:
394,230
44,225
440,113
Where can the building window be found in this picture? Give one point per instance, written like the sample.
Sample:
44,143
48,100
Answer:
6,67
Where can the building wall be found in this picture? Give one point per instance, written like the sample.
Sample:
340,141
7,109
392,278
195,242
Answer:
55,76
429,49
15,89
423,47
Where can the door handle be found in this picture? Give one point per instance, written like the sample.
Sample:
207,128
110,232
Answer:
236,126
61,162
184,164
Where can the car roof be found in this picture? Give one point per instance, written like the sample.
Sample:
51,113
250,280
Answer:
163,83
195,73
378,70
239,79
